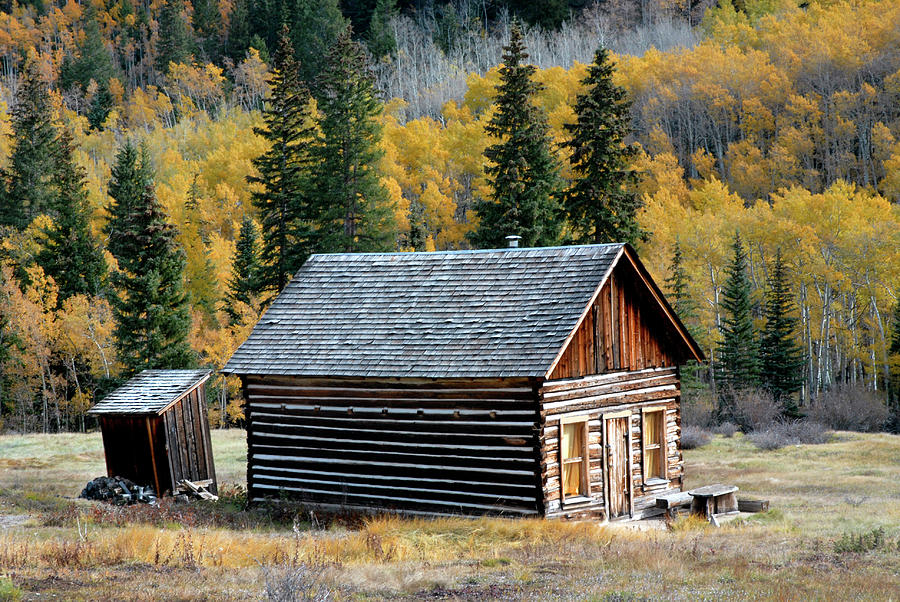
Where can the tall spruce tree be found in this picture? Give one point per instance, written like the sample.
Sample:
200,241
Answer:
245,269
523,173
380,36
30,174
686,309
94,61
207,22
283,200
100,107
781,370
71,254
677,283
602,203
237,40
131,175
739,348
354,211
315,28
150,306
176,40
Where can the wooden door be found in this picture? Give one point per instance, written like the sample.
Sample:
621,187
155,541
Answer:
617,441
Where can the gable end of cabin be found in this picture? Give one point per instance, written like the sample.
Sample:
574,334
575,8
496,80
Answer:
610,430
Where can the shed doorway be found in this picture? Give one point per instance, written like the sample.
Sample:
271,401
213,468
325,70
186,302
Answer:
617,463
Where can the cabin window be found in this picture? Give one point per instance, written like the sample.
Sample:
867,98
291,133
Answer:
574,458
654,444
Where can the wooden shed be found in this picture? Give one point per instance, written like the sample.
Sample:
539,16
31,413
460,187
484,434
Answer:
516,381
155,429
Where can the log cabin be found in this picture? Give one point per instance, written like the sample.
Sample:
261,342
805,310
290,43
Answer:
518,382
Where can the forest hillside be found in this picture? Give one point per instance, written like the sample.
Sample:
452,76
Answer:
775,119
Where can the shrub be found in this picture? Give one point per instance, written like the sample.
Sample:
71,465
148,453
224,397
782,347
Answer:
796,432
297,582
698,408
850,408
726,429
693,437
754,409
859,543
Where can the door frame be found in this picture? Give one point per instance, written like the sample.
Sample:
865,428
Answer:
628,462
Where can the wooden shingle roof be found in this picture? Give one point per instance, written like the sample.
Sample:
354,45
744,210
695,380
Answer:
150,392
498,313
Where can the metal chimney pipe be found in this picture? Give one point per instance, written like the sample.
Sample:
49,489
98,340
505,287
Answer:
513,241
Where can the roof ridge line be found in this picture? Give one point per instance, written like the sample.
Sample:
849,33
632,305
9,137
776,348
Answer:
467,251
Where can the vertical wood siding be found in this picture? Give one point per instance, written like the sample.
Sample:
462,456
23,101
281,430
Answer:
188,440
429,446
623,330
594,396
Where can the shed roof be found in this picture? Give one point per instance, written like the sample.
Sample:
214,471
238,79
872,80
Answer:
497,313
150,392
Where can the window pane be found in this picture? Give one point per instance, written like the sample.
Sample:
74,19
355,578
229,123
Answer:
572,478
573,440
654,444
574,460
651,428
652,461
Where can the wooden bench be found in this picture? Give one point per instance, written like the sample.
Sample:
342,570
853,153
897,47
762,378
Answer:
671,502
714,500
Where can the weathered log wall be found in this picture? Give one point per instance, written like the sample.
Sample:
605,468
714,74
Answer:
624,330
431,446
595,396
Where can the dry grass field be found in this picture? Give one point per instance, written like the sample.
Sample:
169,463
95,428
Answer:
833,533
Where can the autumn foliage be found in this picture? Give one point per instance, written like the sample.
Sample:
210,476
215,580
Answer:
782,123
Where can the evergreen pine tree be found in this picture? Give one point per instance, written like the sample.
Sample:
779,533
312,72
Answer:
207,23
354,212
131,175
94,61
176,41
601,202
31,187
239,32
71,254
245,268
677,283
739,348
315,27
686,310
282,200
100,107
523,173
380,37
781,370
150,307
549,14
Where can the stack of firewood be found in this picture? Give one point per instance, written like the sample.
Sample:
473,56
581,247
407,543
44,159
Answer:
119,491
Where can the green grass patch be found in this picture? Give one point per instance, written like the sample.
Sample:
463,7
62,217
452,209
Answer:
868,541
8,591
495,562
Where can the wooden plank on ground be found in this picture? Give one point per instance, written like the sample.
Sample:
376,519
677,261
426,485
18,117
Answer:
753,505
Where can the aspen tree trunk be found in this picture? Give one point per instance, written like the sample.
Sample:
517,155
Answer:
885,364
